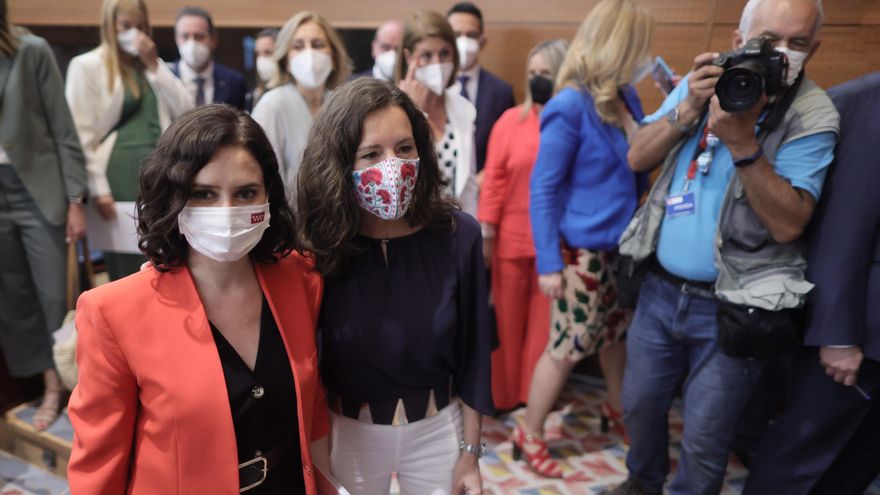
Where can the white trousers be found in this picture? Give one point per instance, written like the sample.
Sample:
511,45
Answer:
423,454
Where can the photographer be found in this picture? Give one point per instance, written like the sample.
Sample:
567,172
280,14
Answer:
719,237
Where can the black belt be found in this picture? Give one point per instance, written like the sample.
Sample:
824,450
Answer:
253,473
697,288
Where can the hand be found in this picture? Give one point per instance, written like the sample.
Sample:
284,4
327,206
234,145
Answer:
736,130
466,477
106,207
841,363
147,51
551,284
480,176
418,92
76,222
488,250
701,85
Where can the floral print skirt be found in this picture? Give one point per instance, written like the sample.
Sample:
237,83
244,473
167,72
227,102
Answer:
587,318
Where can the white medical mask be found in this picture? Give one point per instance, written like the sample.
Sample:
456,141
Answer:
224,233
796,61
468,49
266,68
195,54
642,69
435,76
126,39
385,64
311,68
386,188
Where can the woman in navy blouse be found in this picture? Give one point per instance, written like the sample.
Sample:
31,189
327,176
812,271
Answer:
405,341
582,194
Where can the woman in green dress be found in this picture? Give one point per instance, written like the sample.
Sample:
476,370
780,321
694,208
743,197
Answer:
121,96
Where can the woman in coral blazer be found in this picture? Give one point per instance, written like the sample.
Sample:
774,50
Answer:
197,373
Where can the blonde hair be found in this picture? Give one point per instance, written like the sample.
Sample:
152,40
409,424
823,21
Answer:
422,25
341,62
613,39
553,52
109,10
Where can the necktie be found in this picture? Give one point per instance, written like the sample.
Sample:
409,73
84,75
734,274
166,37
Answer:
463,80
200,91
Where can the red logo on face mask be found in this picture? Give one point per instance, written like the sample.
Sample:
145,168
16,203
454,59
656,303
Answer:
257,217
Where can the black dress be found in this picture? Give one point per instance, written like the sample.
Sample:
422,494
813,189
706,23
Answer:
414,324
263,403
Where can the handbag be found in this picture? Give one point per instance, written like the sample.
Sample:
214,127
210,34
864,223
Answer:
64,348
750,332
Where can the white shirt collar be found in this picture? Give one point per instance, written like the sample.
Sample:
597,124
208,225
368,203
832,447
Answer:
473,73
187,73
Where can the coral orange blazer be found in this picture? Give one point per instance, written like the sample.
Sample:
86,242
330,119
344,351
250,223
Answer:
151,412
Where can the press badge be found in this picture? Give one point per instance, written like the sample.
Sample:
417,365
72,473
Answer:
680,204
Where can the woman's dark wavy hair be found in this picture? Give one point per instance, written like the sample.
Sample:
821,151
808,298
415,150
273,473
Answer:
168,172
327,208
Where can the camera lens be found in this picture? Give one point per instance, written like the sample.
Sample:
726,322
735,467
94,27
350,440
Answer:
739,88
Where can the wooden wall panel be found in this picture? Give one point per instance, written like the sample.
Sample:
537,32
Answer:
860,12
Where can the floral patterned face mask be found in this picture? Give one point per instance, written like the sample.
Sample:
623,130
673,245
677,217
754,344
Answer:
386,188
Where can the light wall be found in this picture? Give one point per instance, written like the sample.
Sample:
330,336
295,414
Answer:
685,28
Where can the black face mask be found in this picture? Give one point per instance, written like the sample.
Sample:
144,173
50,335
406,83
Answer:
542,89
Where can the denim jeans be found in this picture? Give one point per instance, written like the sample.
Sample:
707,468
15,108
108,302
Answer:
672,334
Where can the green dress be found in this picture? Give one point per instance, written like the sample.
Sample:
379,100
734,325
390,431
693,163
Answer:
136,136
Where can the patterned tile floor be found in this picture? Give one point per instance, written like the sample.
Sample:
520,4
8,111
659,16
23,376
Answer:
592,462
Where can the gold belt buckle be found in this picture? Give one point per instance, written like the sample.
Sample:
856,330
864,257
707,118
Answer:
265,469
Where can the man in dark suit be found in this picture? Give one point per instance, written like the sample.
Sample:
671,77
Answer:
386,42
209,81
489,94
828,441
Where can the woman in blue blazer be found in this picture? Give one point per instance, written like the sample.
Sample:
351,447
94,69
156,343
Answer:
582,194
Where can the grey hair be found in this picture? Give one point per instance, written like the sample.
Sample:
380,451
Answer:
745,21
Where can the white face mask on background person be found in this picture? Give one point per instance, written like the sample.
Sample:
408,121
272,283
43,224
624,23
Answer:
224,233
468,48
311,68
796,61
435,76
266,68
385,63
642,69
126,39
195,54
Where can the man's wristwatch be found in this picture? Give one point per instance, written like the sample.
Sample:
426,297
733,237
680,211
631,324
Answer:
476,450
79,200
674,119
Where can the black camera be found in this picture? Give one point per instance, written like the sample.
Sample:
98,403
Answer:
755,69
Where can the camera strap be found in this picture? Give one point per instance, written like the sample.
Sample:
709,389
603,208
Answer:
777,113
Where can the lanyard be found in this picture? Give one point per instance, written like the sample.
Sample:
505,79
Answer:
702,159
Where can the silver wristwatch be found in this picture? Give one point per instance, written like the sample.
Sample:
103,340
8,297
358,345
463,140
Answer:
674,119
476,450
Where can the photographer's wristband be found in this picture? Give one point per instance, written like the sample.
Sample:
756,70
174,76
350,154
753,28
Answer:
745,162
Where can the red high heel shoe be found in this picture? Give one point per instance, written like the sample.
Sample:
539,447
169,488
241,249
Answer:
538,461
612,420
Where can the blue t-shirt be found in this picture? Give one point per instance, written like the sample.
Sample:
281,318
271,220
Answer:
686,244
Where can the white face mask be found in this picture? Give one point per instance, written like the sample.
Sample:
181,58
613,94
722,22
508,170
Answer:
796,61
385,64
642,69
126,39
468,49
223,233
311,68
435,76
195,54
266,68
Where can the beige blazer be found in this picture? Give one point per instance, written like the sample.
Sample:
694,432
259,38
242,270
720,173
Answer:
96,109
